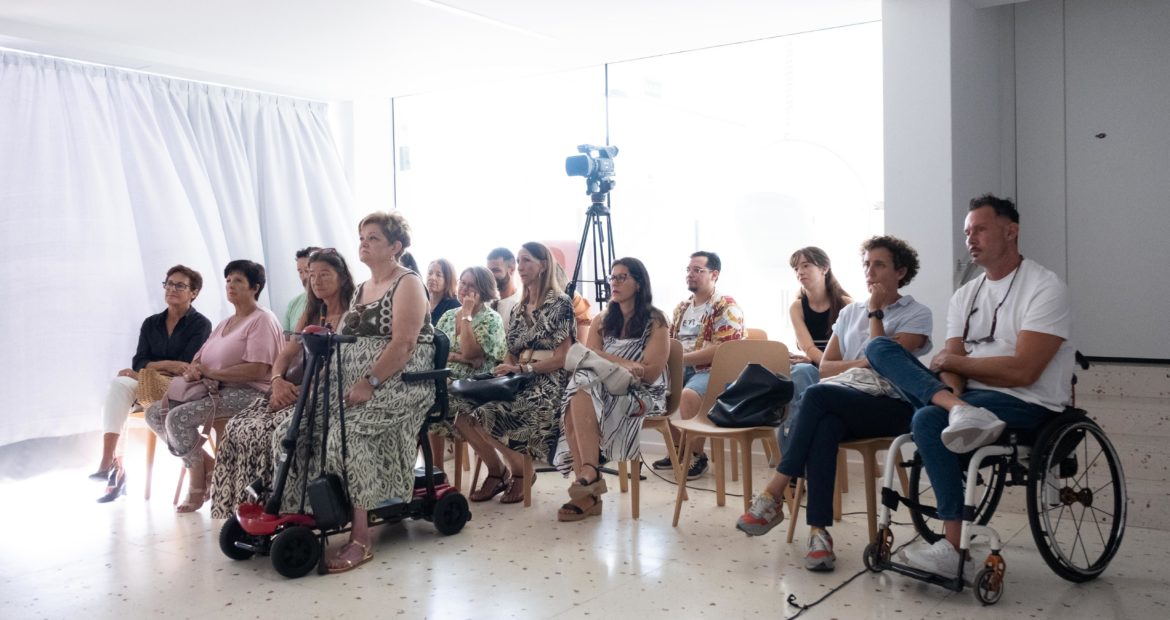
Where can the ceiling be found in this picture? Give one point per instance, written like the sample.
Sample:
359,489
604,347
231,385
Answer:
355,49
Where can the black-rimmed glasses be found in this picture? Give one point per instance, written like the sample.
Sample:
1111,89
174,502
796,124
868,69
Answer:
990,337
175,286
619,278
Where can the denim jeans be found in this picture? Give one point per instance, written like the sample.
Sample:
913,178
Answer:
918,385
828,415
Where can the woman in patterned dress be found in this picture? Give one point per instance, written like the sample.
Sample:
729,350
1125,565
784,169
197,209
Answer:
383,414
476,333
245,454
539,335
630,332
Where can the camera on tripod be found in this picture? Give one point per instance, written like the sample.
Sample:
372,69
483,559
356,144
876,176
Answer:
595,163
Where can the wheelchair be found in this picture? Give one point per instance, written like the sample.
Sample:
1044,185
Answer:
1076,502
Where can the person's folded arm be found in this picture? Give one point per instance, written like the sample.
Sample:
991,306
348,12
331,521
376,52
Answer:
1034,350
246,372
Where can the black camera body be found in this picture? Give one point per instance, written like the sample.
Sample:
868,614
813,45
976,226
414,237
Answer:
595,163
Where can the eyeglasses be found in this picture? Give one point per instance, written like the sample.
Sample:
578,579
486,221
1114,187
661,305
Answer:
694,271
619,278
175,286
990,337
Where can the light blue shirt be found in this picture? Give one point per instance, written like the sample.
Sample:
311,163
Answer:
904,316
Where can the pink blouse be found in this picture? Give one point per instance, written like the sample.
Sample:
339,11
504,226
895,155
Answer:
257,338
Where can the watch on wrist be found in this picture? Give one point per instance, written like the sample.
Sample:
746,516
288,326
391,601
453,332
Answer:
372,380
877,314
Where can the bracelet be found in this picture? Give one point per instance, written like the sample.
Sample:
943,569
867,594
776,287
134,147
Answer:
528,368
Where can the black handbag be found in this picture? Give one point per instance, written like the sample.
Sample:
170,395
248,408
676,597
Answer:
330,502
756,398
485,388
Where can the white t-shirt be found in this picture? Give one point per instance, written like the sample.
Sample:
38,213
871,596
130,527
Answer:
904,316
1038,302
692,322
506,305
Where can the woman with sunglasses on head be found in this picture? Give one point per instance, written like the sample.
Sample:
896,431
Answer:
851,401
632,333
383,414
167,342
228,373
541,330
245,454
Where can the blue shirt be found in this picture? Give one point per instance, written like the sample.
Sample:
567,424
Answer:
904,316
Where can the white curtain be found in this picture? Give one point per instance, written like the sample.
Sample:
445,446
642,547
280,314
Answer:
109,177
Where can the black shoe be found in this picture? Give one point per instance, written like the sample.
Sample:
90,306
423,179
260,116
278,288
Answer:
698,466
662,463
116,487
101,475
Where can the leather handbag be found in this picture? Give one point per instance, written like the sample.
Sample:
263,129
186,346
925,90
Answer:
756,398
486,388
329,500
616,379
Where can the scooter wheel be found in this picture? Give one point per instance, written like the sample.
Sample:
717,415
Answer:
229,534
295,551
451,514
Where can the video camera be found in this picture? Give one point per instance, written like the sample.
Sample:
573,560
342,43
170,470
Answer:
597,169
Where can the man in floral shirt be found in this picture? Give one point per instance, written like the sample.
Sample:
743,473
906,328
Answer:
701,323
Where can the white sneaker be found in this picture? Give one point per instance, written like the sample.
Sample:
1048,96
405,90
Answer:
942,559
971,428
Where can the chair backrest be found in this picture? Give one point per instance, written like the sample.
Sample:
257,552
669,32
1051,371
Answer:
674,370
730,359
753,333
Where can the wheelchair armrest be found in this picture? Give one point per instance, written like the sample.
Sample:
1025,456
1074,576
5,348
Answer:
426,375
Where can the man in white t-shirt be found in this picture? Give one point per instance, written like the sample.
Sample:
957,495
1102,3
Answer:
1007,362
502,263
701,323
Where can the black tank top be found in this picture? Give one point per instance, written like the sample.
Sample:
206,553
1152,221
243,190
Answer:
817,324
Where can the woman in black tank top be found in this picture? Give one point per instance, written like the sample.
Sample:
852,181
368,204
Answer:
821,298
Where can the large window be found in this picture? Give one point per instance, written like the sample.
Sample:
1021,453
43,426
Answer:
751,150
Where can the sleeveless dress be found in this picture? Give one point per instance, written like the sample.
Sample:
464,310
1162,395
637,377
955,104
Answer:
382,432
618,417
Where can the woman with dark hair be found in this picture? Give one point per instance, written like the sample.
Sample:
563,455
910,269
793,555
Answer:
632,334
851,401
476,333
245,453
813,315
228,373
539,336
167,342
383,413
441,288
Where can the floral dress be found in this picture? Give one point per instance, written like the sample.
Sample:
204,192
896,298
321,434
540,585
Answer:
382,432
619,418
488,328
526,424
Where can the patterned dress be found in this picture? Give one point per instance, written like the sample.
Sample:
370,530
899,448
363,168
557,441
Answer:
619,418
525,424
383,431
244,455
488,328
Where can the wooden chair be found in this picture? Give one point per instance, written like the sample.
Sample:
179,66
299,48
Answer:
868,448
632,469
752,333
217,428
730,359
151,444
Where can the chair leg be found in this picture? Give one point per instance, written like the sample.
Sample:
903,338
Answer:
461,463
681,478
794,508
734,460
529,473
151,442
466,456
720,472
842,476
179,486
842,472
672,454
622,477
869,464
635,485
770,453
747,473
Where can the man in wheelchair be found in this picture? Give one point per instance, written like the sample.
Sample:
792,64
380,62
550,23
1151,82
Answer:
1007,362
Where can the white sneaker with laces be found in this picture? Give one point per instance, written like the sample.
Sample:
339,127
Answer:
971,428
942,559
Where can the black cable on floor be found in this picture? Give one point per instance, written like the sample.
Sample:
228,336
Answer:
804,608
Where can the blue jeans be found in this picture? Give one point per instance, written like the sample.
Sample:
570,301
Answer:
828,415
696,379
918,385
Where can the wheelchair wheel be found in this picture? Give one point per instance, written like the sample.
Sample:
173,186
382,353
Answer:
1076,497
992,477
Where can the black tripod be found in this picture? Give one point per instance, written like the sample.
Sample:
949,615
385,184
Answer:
596,221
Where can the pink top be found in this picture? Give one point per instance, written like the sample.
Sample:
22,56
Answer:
258,338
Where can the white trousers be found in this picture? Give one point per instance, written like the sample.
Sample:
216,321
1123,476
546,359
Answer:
119,400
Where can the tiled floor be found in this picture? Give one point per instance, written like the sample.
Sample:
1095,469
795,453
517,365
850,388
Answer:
65,556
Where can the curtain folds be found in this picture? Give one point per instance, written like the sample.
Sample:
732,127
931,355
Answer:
109,177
